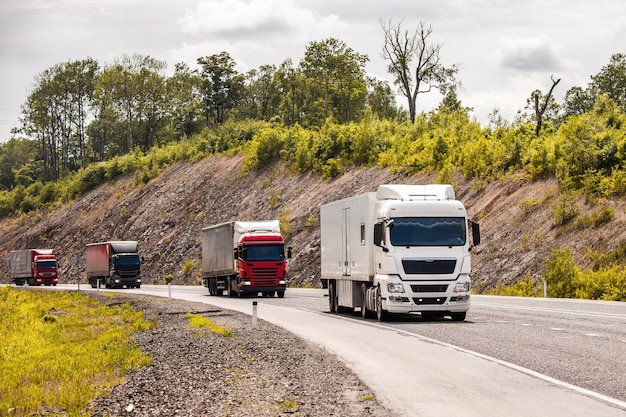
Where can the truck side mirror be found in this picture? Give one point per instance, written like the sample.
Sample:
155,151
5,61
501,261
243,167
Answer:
378,234
235,253
475,233
289,252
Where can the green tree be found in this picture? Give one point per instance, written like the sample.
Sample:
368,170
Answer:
184,106
381,99
221,86
15,155
260,97
133,90
338,71
291,86
577,101
56,112
403,50
611,80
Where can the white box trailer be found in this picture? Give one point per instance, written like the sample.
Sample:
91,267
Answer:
402,249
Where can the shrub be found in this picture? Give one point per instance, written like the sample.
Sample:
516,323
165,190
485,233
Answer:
604,284
188,266
561,274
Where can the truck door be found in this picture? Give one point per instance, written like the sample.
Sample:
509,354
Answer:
345,243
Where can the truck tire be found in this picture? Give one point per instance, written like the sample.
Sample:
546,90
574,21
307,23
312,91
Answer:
231,291
280,293
333,301
381,313
364,313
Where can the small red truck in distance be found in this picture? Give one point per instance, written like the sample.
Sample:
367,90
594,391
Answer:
33,267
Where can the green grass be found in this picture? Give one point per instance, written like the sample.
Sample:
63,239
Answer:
200,322
61,350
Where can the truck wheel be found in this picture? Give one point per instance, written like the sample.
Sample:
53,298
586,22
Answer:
281,293
333,302
364,313
231,291
381,314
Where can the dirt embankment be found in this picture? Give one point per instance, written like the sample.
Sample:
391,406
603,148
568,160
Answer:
167,214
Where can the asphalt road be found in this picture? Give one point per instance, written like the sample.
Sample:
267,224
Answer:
512,356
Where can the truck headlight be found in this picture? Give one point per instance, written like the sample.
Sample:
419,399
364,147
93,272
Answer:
462,287
395,287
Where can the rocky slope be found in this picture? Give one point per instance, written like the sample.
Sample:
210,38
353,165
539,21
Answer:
167,214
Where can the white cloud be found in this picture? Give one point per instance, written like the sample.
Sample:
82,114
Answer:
241,18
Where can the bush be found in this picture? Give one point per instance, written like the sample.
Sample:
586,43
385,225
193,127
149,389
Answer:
561,274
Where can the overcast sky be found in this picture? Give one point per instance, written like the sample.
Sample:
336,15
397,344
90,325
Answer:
505,48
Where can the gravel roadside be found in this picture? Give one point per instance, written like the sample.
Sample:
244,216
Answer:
265,371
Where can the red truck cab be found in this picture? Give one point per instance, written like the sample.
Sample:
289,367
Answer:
261,263
44,267
33,267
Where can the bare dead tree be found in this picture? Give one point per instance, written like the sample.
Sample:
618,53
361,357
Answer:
403,49
539,111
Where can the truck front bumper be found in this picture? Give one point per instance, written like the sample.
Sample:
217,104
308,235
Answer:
255,289
401,303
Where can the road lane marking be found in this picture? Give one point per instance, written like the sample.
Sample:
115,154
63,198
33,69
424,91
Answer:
551,310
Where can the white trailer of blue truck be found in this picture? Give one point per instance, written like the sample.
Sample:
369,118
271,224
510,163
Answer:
401,249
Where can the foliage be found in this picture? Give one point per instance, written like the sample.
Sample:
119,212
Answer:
587,154
188,266
523,288
561,274
61,350
197,321
566,280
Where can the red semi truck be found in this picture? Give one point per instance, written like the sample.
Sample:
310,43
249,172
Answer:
33,267
244,257
114,264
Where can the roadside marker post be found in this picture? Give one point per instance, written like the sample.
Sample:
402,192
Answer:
254,321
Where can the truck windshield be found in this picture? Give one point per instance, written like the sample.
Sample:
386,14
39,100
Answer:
427,231
128,260
263,253
46,264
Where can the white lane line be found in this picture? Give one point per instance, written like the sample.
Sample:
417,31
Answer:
551,310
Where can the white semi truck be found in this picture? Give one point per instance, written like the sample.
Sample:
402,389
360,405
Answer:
401,249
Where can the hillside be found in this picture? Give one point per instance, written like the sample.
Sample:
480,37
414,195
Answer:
167,214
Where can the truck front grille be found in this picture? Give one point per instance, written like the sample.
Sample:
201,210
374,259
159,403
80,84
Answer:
265,276
429,288
429,266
